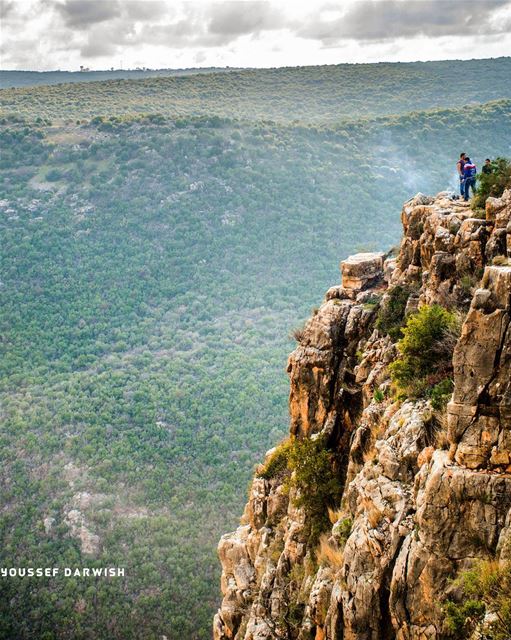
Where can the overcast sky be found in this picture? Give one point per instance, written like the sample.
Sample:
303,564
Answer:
64,34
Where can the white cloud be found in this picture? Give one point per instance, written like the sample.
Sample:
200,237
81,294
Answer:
81,14
46,34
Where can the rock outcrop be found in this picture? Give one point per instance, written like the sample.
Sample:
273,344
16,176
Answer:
425,492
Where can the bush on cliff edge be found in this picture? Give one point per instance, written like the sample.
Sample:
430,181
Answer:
493,184
318,486
306,465
425,351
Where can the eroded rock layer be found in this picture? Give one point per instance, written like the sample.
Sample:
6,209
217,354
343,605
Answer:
417,505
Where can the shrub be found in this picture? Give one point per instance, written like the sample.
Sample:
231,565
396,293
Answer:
391,314
54,174
460,617
342,530
493,184
468,282
378,396
317,484
426,351
276,465
486,590
441,393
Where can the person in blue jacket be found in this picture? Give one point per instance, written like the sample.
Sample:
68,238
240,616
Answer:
469,177
459,168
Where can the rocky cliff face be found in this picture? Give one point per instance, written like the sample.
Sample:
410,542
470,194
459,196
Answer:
424,493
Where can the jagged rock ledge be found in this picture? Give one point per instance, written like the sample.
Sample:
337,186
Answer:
415,509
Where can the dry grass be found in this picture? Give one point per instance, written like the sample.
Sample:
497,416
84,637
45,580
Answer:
298,334
370,455
442,440
500,261
329,554
334,515
374,515
440,433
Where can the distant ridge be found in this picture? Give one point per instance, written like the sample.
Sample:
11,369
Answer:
26,78
15,79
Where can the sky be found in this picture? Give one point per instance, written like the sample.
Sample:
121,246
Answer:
45,35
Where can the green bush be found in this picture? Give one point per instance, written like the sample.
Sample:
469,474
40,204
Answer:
378,396
493,184
343,530
53,175
426,351
276,465
441,393
486,589
459,617
317,484
392,313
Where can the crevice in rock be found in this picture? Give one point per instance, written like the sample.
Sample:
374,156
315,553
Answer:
385,622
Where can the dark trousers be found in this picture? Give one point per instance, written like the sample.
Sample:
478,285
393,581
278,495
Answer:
462,186
469,182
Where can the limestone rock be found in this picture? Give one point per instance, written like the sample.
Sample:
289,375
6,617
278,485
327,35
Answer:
362,270
480,411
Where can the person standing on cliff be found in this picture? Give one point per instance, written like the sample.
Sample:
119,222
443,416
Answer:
459,167
469,177
487,168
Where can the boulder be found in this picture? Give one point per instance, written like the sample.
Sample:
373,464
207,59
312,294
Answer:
362,270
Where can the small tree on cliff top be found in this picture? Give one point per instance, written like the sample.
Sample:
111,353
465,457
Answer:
494,183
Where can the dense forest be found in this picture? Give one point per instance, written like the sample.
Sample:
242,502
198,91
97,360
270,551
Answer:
153,266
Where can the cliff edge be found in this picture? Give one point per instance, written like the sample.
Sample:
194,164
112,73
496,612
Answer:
358,525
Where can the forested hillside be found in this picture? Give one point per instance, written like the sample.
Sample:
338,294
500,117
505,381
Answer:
304,94
11,79
152,269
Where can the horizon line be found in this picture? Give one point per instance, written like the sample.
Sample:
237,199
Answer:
253,68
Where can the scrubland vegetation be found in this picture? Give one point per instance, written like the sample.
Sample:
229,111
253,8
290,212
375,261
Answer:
486,607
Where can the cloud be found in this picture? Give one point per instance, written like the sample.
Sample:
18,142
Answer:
81,14
146,10
66,33
237,18
6,7
371,20
96,48
216,25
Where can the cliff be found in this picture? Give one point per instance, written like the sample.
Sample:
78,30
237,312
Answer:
357,526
